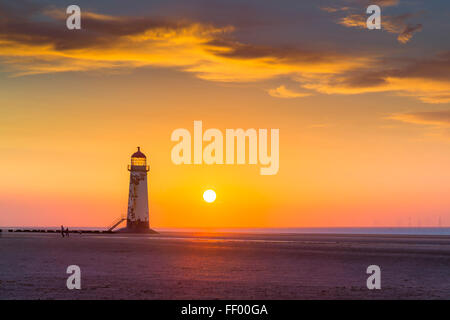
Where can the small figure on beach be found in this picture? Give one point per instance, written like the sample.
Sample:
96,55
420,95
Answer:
62,231
67,232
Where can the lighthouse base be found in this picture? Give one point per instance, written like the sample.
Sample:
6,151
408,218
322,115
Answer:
137,231
137,227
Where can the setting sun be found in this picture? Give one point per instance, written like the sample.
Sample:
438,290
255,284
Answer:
209,196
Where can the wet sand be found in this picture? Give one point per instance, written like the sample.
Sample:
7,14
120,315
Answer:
224,266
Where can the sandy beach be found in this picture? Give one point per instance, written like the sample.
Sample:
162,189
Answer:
224,266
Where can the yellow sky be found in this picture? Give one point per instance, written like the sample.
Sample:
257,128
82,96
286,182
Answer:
66,161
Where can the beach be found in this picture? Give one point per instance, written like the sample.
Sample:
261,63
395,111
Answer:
181,265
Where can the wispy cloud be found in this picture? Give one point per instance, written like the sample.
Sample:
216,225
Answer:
381,3
392,24
351,4
407,32
437,123
355,17
425,79
334,9
283,92
430,118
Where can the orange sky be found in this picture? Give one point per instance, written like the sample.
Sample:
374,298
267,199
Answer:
350,154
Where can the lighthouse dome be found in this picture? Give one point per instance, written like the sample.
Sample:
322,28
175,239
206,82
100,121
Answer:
138,154
138,158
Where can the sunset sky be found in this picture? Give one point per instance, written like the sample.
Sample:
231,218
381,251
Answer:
364,115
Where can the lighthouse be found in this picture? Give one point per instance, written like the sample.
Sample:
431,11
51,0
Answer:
137,215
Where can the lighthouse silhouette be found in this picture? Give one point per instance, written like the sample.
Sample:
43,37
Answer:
137,215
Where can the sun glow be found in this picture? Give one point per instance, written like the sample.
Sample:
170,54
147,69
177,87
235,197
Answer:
209,196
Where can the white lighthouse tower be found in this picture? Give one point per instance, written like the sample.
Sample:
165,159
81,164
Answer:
137,216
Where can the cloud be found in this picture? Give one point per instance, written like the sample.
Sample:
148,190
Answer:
436,122
429,118
392,24
408,32
397,24
381,3
334,9
425,79
28,46
36,41
360,4
283,92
